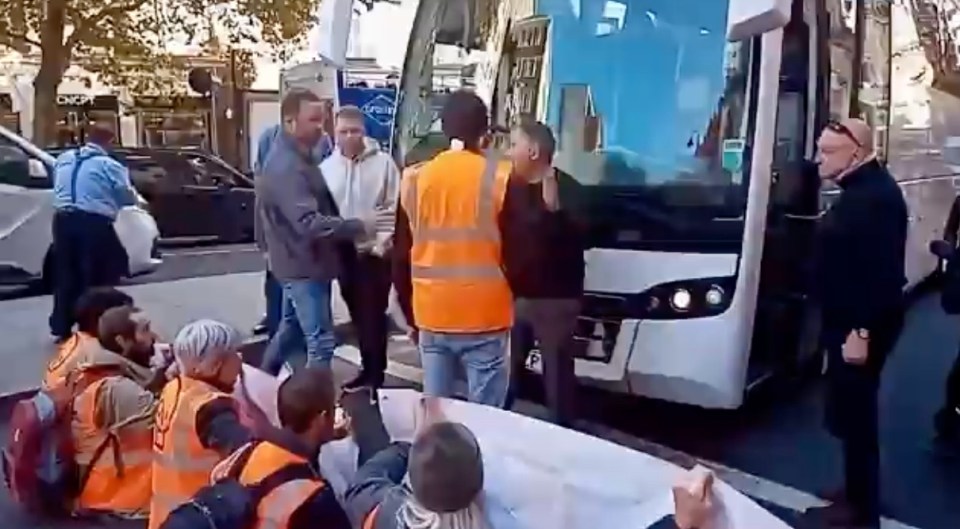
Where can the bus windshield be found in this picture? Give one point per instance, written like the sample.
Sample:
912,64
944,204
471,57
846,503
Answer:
648,95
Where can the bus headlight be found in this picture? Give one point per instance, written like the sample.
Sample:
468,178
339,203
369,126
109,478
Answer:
680,300
714,296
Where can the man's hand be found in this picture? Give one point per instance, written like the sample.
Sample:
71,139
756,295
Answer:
414,336
342,427
856,349
430,412
693,501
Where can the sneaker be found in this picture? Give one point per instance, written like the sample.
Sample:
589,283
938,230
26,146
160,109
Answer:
838,516
357,383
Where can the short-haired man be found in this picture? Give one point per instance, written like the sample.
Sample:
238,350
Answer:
89,189
365,183
302,233
448,269
271,289
861,280
116,413
543,246
75,350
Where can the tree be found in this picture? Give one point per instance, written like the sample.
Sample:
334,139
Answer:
118,38
937,38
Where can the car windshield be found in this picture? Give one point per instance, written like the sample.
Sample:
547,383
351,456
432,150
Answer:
647,94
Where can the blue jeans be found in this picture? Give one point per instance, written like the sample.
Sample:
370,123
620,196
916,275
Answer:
274,295
306,322
484,359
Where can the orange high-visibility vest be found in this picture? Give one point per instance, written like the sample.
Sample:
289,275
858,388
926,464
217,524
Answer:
278,506
119,479
63,362
453,203
181,465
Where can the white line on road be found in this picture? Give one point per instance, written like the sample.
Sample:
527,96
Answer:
216,251
754,486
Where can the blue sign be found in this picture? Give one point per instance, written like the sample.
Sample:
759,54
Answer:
378,105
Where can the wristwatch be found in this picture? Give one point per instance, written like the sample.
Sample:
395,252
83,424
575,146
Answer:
864,334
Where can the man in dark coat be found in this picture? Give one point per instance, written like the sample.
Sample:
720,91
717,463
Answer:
861,279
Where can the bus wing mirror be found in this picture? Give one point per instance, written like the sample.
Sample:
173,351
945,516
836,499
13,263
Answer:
750,18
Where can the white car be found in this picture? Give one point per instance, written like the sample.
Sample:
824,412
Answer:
26,213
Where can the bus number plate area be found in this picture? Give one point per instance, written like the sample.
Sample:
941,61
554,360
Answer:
594,340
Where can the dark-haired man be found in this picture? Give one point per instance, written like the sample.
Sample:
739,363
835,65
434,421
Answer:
73,352
117,411
306,404
447,263
302,232
89,189
543,247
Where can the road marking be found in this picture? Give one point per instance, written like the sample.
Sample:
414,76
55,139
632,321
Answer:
754,486
217,251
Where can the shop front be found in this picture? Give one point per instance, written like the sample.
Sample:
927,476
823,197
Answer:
75,111
182,121
8,117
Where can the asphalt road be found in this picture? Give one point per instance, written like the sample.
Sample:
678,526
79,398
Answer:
776,442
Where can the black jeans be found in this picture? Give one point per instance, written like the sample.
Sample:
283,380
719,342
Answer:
852,413
365,287
273,294
551,322
86,253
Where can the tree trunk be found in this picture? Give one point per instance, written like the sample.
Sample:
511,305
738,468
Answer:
54,60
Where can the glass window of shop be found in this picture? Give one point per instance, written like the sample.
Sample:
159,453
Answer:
8,118
174,128
76,111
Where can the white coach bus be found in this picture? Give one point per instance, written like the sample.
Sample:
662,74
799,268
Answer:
686,124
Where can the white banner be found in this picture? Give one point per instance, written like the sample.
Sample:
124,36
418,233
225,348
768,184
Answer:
540,475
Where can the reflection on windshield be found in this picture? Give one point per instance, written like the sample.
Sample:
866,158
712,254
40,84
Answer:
646,92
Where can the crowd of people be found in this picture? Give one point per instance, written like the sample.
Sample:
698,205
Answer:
483,264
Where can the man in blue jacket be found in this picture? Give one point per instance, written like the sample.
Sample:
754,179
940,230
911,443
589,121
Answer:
271,289
89,190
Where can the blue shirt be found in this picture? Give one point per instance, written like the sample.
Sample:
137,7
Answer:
102,184
320,152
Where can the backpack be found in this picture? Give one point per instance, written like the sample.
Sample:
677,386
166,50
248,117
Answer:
38,459
228,504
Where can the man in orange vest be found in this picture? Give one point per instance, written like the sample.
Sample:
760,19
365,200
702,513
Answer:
74,350
306,405
112,425
197,424
448,270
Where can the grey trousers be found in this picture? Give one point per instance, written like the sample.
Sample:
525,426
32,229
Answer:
551,322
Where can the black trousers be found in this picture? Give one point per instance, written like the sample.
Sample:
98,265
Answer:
852,413
365,286
947,420
86,253
551,322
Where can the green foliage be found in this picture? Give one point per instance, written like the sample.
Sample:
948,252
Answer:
127,42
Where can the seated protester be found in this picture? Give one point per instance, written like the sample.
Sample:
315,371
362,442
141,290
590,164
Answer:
112,425
72,352
197,422
306,405
445,469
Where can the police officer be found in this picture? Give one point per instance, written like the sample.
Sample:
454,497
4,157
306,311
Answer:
89,189
861,280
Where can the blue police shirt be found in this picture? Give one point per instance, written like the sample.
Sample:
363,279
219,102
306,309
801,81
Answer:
102,184
320,153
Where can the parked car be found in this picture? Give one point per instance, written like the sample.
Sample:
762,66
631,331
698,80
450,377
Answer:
193,194
26,212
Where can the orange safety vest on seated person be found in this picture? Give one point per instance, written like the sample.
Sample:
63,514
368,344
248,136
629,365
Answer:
117,462
453,203
278,506
64,361
181,465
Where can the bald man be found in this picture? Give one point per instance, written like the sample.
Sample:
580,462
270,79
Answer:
861,279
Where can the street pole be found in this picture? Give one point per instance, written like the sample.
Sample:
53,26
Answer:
237,100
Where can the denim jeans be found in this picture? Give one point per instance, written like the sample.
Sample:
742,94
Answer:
484,359
306,322
274,296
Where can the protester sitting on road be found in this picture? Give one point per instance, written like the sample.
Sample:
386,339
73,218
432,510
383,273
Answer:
302,499
445,482
112,425
197,422
75,349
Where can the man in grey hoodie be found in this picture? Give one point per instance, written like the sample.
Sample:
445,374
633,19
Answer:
302,232
365,182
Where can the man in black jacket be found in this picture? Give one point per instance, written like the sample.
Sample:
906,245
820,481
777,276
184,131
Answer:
543,254
861,279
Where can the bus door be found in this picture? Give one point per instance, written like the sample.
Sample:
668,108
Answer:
787,322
